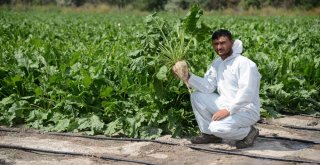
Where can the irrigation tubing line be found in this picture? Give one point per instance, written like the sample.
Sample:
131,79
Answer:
170,143
292,126
116,139
314,116
251,155
302,128
92,137
147,140
29,149
290,139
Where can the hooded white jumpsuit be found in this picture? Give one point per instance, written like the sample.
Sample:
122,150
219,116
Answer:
236,80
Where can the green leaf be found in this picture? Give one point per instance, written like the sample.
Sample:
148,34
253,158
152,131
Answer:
38,91
87,80
62,125
106,92
7,100
135,54
149,132
113,127
162,74
93,125
96,123
190,21
21,59
84,123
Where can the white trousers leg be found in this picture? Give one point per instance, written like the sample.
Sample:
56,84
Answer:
233,127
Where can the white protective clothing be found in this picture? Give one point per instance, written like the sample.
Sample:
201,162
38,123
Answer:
236,80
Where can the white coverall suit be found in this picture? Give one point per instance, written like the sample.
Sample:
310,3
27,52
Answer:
237,81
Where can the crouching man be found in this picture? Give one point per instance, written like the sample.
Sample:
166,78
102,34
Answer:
226,101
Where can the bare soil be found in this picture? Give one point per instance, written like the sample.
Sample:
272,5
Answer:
165,154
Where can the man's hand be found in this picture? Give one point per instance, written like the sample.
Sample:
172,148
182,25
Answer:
181,70
221,114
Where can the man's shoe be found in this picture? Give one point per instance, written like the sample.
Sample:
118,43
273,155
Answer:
249,139
205,139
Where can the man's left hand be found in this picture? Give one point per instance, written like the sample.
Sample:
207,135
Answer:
221,114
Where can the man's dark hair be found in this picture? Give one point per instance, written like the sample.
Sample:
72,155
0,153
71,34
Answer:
221,32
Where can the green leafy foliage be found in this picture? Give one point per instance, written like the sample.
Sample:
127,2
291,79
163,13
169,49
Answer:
176,42
109,74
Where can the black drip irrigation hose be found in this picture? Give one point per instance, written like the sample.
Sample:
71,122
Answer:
290,139
112,138
314,116
216,150
103,157
292,126
192,146
149,140
302,128
170,143
92,137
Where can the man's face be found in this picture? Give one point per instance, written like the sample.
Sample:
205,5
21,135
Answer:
223,46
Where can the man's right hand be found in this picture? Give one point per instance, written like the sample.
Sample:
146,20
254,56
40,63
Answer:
181,70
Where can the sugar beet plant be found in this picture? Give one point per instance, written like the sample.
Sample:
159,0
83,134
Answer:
177,42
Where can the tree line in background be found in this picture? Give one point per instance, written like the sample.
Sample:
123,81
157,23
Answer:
151,5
